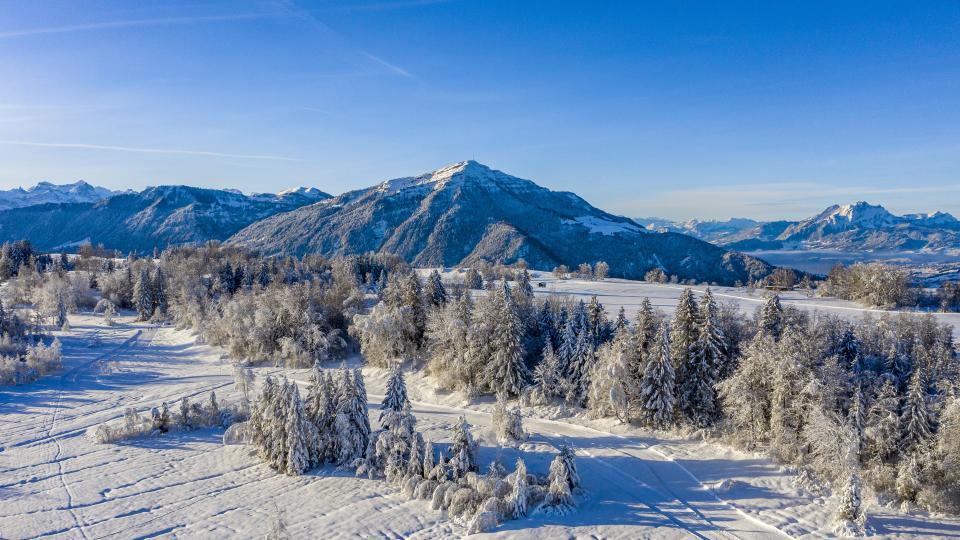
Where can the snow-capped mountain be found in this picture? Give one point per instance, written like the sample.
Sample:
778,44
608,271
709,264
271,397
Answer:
46,192
850,227
467,212
155,217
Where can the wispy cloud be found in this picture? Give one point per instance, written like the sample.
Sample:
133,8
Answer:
85,146
131,23
390,67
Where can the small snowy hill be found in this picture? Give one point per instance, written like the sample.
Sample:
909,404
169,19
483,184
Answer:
851,227
156,217
468,212
46,192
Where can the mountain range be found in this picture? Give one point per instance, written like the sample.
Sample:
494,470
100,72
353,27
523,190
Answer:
456,215
46,192
852,228
155,217
466,212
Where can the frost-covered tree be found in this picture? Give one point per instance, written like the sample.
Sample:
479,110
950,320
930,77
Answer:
699,394
614,388
520,494
507,422
298,441
771,317
463,447
850,507
657,385
916,420
472,279
436,292
143,295
506,371
883,423
746,394
396,396
547,377
159,289
578,371
684,331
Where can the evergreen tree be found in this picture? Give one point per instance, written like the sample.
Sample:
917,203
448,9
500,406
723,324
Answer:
60,317
621,324
646,332
581,364
298,454
396,396
851,503
547,376
883,422
159,288
656,387
684,332
436,292
568,346
916,420
143,296
857,419
463,446
701,398
520,494
428,456
506,370
472,279
771,317
360,415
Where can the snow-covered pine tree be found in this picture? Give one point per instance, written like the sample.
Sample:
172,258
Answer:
546,324
621,324
614,388
428,459
645,332
850,508
917,420
568,346
60,317
520,494
849,351
547,376
396,395
883,423
701,397
566,459
597,321
472,279
771,317
143,296
463,446
524,286
857,419
159,288
436,292
359,414
298,449
657,386
684,330
581,364
506,371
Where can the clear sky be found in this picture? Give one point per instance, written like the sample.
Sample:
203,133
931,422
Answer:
673,109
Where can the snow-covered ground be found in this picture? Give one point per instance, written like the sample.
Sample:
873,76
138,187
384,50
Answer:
56,483
614,293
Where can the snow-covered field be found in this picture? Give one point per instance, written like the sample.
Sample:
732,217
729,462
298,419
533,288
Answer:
614,293
56,483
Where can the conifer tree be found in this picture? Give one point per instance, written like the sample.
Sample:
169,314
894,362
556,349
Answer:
436,292
143,296
159,292
917,418
700,396
883,422
547,376
360,414
656,387
506,370
298,454
428,463
771,317
396,395
520,494
683,340
463,446
524,286
581,363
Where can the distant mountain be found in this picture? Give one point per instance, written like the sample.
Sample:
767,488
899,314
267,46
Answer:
156,217
467,212
857,227
45,192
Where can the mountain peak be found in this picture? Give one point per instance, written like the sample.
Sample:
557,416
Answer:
444,176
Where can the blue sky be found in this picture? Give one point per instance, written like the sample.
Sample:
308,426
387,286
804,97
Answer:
675,109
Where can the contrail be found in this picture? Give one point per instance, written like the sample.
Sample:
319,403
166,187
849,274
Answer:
161,21
84,146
